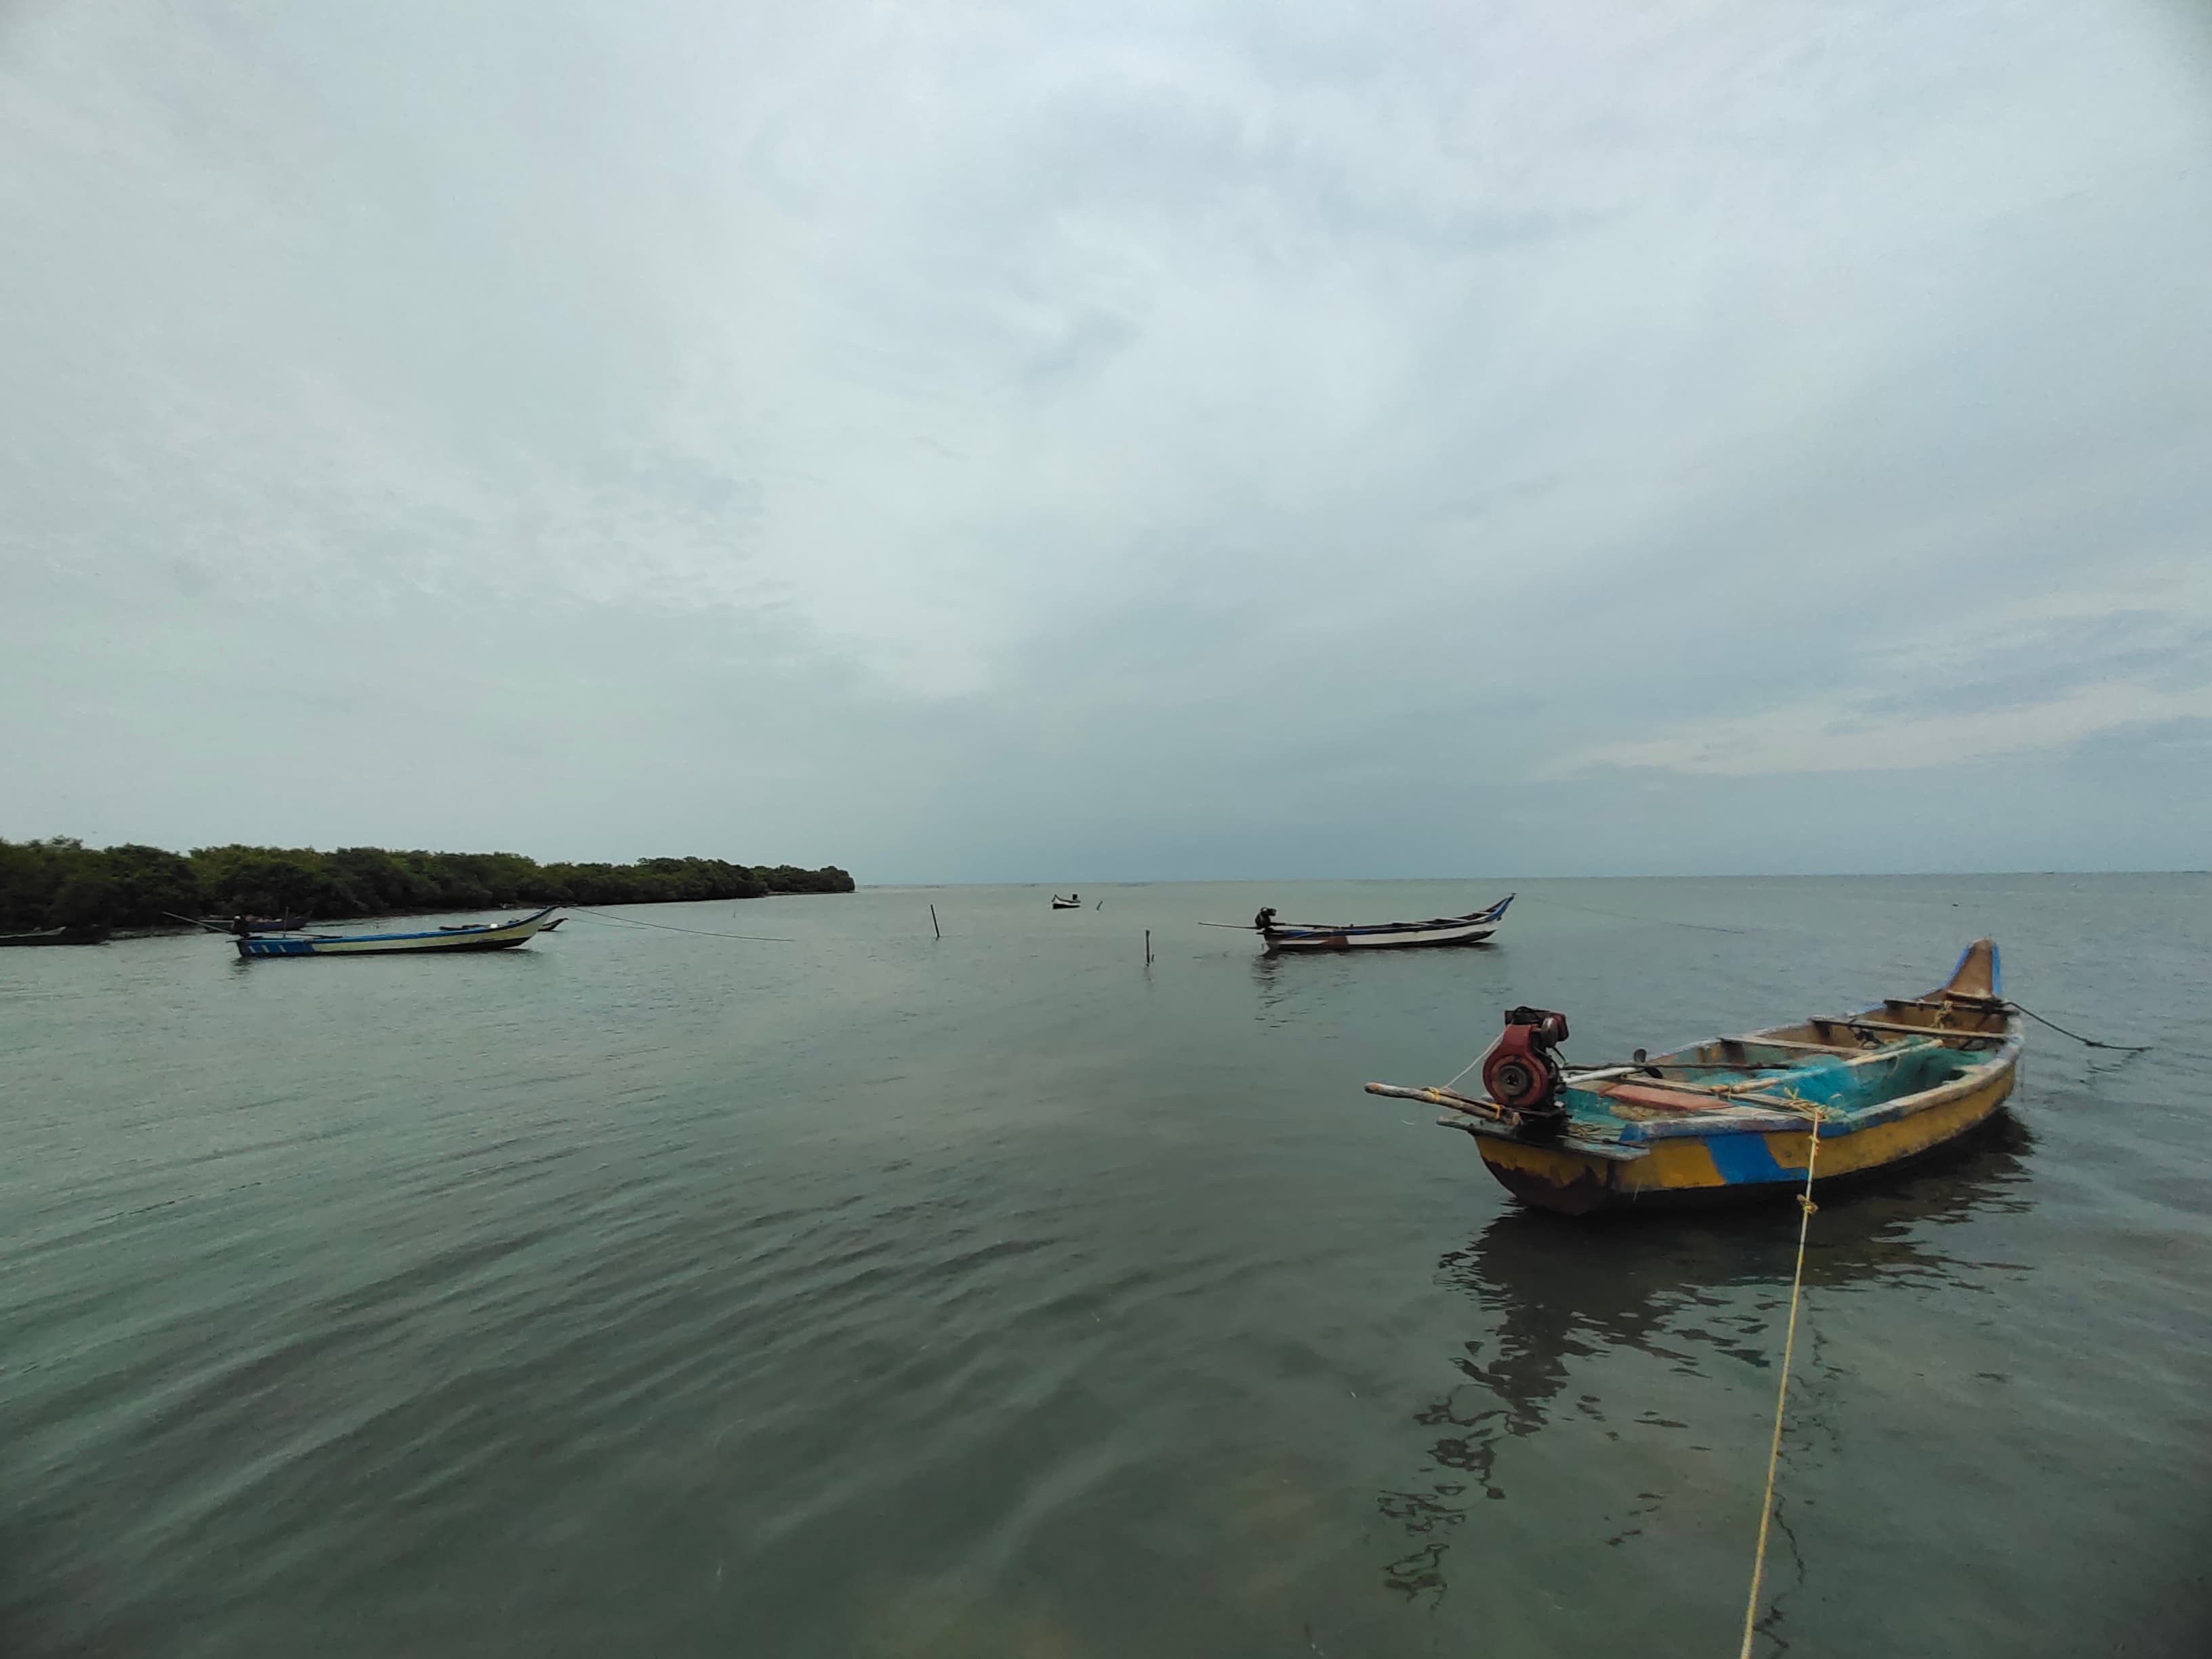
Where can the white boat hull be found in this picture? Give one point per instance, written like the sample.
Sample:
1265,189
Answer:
447,939
1362,939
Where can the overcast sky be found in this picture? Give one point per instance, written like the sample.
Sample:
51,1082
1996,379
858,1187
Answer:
1113,441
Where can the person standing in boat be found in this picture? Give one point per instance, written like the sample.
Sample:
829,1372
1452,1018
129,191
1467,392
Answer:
1266,919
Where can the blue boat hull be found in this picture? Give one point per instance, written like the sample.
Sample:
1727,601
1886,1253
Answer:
443,941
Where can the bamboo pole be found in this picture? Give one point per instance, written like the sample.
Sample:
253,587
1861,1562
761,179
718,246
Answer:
933,922
1904,1030
1718,1094
1458,1102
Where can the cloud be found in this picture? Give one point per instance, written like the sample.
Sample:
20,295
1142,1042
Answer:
2047,672
1019,413
1819,737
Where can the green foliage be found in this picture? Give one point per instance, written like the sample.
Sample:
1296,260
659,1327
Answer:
63,883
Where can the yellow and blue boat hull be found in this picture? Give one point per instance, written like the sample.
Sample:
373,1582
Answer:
1738,1166
1735,1118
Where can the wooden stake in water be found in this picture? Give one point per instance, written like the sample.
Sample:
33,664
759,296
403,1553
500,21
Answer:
939,932
1148,947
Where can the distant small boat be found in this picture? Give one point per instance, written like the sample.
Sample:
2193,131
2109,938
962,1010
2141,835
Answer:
1734,1118
1060,903
57,936
1472,928
471,936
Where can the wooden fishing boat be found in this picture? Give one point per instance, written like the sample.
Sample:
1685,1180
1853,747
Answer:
1473,929
473,936
1060,903
1735,1118
57,936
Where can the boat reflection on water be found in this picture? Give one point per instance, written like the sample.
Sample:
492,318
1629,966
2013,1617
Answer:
1559,1289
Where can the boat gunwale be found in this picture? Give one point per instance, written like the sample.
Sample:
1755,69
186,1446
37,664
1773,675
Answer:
1836,1125
458,931
485,936
2009,1041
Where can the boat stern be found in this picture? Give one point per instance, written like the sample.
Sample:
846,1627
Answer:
1550,1177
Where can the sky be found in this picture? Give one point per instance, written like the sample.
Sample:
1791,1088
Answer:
1048,442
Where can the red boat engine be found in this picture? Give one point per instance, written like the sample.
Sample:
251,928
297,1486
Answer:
1521,1071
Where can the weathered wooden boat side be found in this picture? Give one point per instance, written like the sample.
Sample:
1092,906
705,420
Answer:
57,936
1733,1119
475,936
1472,928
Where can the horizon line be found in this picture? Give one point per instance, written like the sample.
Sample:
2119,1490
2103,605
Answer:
1746,875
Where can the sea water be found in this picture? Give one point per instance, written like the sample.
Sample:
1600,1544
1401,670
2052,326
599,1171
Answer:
875,1294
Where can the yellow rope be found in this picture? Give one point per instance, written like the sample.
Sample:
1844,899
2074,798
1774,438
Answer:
1782,1393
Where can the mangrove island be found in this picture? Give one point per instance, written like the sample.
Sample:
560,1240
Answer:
62,882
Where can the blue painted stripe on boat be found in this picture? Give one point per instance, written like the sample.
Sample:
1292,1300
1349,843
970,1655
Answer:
1742,1159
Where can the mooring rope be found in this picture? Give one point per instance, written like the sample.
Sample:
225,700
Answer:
2092,1042
1623,916
670,927
1465,1069
1782,1392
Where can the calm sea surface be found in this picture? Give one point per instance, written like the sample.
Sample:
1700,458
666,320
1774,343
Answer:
639,1292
